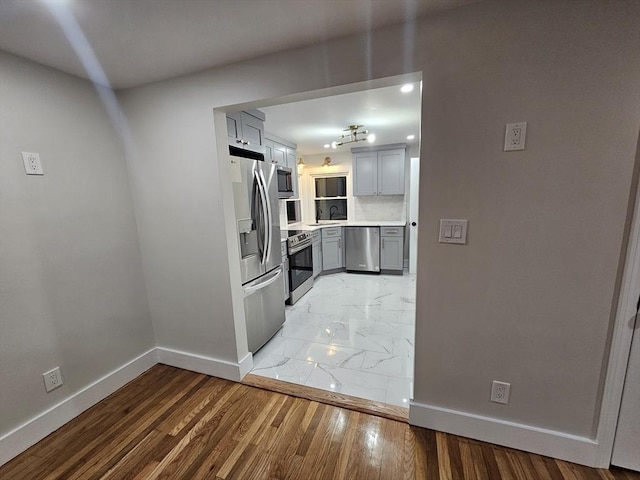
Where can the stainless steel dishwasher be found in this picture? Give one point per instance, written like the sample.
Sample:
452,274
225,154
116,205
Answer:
362,249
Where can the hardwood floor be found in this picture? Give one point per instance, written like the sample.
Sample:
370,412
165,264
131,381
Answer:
379,409
175,424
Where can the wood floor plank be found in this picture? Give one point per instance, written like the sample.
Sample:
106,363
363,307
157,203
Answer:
455,459
444,463
409,453
392,450
174,424
349,440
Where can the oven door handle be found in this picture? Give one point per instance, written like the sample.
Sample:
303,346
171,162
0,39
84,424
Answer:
299,248
262,282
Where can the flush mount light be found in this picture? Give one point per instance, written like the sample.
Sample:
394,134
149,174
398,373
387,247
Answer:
410,137
327,145
354,136
406,88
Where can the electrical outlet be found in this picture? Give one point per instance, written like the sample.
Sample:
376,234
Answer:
515,135
500,392
52,379
32,164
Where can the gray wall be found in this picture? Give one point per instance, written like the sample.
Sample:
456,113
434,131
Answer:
529,299
72,288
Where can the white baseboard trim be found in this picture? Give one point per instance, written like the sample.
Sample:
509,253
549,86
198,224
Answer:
532,439
207,365
19,439
246,364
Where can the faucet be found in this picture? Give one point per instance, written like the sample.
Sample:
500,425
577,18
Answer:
331,212
318,214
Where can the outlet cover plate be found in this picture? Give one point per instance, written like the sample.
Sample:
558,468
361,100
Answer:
32,163
52,379
515,136
500,392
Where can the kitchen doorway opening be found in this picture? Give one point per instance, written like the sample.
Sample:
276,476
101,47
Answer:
352,334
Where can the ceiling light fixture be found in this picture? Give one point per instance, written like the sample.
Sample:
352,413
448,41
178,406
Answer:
327,145
406,88
301,164
410,137
327,161
353,137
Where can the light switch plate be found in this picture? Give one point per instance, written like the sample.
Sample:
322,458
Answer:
32,164
453,231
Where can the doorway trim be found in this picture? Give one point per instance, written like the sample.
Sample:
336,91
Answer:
622,334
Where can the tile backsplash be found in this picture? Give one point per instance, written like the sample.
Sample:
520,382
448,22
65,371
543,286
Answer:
382,207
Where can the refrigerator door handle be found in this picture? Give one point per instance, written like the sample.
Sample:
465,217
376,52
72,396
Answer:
256,214
266,214
263,282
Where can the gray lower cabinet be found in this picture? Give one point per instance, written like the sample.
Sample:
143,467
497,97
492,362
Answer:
332,251
285,267
317,253
391,248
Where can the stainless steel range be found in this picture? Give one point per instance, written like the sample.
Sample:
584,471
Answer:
300,263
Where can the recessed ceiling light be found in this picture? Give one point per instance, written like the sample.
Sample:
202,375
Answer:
371,138
406,88
410,137
327,145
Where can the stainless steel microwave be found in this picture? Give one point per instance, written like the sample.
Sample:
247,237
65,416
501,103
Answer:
285,182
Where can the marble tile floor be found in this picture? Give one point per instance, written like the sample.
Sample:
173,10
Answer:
351,333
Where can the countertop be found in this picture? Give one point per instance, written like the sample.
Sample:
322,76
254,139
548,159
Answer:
371,223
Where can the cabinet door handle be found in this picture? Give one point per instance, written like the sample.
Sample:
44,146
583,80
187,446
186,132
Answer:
340,243
239,141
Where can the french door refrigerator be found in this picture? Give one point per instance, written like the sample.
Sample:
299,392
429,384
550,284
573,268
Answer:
255,196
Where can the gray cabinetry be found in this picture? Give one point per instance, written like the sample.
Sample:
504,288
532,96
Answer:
283,153
246,129
379,171
332,251
365,173
317,253
285,267
392,248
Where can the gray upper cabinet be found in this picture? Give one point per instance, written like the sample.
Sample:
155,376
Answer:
268,150
280,154
246,130
365,173
391,172
379,171
283,153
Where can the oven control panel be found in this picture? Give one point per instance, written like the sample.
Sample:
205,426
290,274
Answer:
299,239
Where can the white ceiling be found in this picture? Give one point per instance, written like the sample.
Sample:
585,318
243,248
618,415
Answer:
141,41
387,112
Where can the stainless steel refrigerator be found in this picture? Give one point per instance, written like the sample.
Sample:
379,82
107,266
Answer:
255,196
